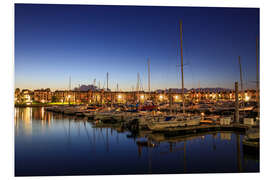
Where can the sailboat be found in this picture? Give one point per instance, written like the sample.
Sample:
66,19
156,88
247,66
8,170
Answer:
176,120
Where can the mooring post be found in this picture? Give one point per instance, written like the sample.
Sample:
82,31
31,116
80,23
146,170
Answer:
236,103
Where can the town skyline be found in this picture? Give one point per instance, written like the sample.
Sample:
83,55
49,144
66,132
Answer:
95,88
81,42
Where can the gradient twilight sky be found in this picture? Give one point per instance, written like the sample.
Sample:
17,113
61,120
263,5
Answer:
53,42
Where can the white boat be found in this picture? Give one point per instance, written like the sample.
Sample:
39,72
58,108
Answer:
166,122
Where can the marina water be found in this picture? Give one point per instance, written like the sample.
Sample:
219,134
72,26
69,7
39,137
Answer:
49,144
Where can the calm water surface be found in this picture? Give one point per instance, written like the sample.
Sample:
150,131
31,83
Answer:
47,143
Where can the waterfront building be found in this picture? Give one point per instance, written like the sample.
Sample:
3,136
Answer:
24,96
108,97
43,95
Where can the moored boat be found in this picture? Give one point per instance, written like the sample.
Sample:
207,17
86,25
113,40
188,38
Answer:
252,138
174,122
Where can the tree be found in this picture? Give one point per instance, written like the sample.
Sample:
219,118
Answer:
55,99
17,91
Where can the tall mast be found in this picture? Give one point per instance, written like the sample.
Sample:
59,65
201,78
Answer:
236,103
241,80
182,72
69,86
95,82
138,82
148,74
257,75
107,81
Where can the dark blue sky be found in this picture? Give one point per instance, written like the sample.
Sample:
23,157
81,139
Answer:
84,41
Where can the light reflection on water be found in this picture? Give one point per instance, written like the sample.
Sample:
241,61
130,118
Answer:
54,144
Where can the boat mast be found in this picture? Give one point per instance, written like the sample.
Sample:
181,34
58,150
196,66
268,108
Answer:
241,80
182,72
138,86
94,82
138,83
148,74
107,81
69,86
257,76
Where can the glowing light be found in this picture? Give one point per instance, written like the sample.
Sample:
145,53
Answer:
68,96
160,97
27,97
202,114
142,96
119,96
176,97
247,98
42,100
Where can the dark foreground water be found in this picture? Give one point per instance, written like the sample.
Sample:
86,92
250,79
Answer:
53,144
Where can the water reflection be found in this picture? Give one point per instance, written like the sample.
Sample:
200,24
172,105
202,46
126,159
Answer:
70,145
179,144
225,136
25,122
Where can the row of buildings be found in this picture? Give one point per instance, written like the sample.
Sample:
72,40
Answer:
102,96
